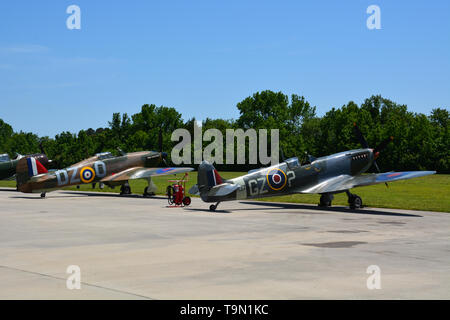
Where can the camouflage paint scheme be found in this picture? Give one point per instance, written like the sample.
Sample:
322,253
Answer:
103,168
326,175
8,168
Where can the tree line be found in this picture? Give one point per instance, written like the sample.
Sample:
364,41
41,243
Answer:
421,142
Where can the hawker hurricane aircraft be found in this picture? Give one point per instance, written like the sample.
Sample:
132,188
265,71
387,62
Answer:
325,176
103,168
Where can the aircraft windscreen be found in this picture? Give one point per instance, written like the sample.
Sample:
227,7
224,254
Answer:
4,157
104,155
293,163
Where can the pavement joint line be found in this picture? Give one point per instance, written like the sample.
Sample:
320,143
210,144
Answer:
83,283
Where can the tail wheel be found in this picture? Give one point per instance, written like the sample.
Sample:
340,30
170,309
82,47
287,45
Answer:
187,201
170,196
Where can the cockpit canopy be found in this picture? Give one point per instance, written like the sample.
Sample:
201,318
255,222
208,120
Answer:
4,157
104,155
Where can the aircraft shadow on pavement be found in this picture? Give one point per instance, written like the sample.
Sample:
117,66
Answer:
77,194
268,205
115,195
216,211
297,206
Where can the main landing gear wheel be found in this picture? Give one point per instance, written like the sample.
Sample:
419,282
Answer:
354,201
325,200
125,189
148,194
43,195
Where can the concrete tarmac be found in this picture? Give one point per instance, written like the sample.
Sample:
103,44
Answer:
137,248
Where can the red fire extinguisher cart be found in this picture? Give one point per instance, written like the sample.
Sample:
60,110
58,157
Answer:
176,193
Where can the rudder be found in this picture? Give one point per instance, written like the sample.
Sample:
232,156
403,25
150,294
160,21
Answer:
27,168
208,176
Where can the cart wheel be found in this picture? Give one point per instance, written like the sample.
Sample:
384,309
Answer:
187,201
170,196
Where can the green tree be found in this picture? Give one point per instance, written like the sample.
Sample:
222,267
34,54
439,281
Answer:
273,110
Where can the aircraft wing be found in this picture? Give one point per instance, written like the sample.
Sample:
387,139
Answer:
345,182
142,173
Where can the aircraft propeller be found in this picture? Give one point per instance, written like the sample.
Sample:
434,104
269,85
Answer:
376,151
160,144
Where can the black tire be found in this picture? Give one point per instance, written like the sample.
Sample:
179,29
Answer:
125,190
212,207
43,195
170,196
355,202
187,201
148,194
324,202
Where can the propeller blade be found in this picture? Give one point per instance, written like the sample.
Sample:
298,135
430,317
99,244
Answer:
378,169
41,148
164,158
376,166
282,155
360,136
160,140
383,144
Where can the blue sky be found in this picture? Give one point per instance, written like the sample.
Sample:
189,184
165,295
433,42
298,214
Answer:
202,57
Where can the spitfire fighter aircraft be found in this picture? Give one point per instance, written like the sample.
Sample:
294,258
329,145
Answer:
104,168
325,176
8,166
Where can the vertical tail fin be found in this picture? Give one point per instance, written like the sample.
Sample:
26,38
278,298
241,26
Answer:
208,176
26,168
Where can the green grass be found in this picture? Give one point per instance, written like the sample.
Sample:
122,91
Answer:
425,193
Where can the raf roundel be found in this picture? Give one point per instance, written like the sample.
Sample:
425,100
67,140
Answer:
276,179
87,174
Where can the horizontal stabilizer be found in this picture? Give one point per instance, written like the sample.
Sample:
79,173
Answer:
194,190
222,190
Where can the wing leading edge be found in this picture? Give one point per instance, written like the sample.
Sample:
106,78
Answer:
345,182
